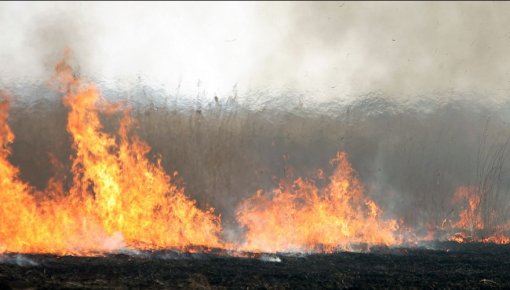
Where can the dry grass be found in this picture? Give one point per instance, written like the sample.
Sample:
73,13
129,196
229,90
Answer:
411,160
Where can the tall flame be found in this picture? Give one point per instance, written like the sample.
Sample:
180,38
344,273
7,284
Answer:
131,195
16,204
300,216
117,198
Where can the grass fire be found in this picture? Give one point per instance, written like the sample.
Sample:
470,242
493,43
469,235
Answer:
118,198
254,145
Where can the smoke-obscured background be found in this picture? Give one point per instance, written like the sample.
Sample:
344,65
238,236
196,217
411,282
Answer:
332,49
234,95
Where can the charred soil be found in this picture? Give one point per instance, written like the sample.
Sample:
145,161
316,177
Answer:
439,265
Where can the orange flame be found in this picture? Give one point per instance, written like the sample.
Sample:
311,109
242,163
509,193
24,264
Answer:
118,198
470,225
300,216
468,217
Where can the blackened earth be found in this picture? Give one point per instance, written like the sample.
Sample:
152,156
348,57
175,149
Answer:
436,265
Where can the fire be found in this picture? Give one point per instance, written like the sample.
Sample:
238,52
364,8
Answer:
117,198
16,204
468,218
470,225
301,216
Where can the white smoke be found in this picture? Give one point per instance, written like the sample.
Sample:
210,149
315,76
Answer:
18,260
331,49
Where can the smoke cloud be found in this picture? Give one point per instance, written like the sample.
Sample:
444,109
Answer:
329,50
373,79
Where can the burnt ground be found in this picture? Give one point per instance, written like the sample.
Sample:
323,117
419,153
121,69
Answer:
447,265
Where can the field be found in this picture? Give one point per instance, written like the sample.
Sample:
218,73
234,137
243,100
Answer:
411,162
439,265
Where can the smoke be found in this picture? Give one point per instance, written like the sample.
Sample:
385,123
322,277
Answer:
18,260
328,50
384,58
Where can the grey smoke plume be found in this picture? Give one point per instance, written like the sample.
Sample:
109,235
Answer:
410,142
329,50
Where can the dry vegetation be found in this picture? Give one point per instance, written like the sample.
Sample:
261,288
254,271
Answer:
411,156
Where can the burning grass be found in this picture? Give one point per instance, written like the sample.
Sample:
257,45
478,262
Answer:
300,216
119,198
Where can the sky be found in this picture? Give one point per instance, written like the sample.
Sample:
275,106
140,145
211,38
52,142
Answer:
326,49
